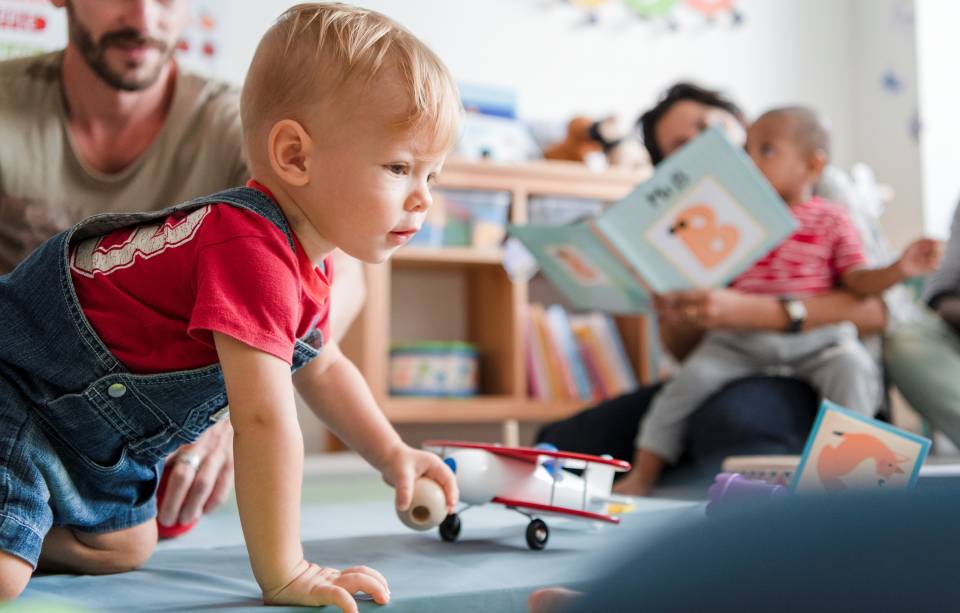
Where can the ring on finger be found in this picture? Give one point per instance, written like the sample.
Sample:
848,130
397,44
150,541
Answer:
190,459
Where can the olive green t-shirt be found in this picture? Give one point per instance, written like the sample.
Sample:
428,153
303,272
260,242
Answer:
45,187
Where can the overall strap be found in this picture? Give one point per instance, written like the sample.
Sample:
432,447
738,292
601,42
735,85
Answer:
243,197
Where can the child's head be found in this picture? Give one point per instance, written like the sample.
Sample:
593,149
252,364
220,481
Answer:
346,117
790,146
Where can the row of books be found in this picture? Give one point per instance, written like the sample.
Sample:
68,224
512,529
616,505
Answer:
575,356
561,210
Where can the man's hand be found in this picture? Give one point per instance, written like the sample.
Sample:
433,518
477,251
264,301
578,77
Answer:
316,586
192,491
404,465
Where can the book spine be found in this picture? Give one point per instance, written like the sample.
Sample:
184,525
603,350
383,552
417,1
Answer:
625,372
560,325
535,383
554,376
594,354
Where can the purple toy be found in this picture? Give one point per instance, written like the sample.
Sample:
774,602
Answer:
731,488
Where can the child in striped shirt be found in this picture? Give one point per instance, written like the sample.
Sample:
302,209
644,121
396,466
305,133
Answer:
790,147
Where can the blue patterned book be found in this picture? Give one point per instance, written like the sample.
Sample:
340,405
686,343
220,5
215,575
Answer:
705,216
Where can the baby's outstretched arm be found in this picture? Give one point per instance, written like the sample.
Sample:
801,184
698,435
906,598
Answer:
268,450
337,392
919,258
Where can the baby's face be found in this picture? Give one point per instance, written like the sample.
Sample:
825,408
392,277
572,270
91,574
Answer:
370,177
771,145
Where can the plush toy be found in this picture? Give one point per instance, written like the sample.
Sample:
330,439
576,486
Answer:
599,144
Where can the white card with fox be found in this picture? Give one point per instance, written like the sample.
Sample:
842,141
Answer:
847,451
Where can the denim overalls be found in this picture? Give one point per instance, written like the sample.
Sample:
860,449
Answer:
82,440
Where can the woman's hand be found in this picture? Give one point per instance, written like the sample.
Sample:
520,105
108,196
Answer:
404,465
713,309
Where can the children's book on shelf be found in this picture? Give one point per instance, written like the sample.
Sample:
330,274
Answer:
705,216
575,357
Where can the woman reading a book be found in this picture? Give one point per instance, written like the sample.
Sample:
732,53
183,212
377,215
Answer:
754,415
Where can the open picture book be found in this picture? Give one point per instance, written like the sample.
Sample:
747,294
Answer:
705,216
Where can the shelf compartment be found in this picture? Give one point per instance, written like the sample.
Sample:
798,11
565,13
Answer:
448,256
479,409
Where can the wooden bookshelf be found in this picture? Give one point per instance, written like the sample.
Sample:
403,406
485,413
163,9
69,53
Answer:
495,308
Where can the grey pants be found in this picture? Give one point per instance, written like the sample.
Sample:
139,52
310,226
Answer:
830,358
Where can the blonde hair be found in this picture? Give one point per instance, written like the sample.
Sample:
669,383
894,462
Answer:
315,49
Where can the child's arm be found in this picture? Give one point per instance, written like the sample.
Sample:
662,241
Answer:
337,392
919,258
268,454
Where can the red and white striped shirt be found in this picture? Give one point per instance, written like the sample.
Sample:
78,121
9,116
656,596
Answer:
825,246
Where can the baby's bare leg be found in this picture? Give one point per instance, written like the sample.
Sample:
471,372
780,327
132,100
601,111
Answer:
71,551
14,574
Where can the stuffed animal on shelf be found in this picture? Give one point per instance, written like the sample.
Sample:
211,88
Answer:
607,142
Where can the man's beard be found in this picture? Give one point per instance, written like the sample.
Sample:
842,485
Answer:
94,53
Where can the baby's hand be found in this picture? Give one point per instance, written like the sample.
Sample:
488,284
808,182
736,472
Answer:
405,465
921,257
315,586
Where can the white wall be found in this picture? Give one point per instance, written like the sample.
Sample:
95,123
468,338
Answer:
884,40
937,51
787,51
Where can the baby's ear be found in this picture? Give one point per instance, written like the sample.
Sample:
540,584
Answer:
817,161
288,149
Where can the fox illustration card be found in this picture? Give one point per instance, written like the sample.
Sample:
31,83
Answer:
847,451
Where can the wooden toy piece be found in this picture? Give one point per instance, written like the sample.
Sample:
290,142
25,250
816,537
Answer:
429,507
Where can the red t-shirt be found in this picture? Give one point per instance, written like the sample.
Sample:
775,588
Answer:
156,292
824,246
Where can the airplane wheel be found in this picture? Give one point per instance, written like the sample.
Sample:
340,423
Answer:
450,528
537,534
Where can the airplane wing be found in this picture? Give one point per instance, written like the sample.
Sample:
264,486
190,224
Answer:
545,508
532,455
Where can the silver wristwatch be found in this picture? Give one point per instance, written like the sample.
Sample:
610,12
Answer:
796,312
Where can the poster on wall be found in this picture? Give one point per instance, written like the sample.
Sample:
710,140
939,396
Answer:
28,27
674,15
202,44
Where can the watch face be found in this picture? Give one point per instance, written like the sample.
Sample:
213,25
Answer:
796,310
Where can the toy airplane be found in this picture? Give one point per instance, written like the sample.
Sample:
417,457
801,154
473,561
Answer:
531,481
